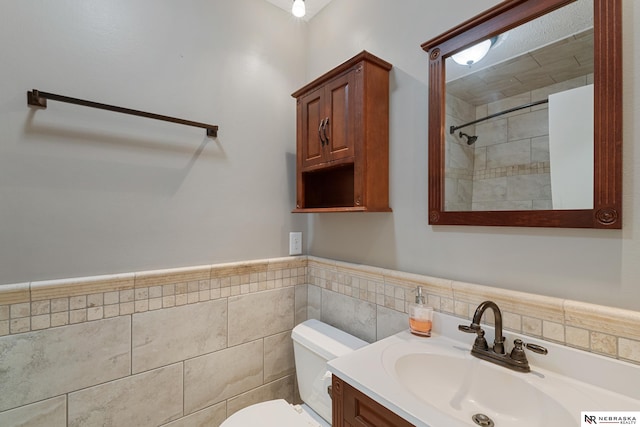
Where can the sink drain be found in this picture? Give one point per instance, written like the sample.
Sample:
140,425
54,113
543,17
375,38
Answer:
483,420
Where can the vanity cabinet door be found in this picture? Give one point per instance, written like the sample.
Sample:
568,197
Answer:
353,408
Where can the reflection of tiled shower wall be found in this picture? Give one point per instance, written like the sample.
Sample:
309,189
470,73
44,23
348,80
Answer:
178,348
511,165
186,347
512,157
459,157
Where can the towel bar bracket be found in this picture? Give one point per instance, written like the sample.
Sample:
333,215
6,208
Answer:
35,100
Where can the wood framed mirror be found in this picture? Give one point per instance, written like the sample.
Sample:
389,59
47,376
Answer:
494,169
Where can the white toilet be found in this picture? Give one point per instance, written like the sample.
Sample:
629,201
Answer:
314,343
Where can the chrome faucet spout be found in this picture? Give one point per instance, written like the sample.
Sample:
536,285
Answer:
498,342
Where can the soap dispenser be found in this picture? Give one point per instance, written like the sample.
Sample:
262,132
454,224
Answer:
420,316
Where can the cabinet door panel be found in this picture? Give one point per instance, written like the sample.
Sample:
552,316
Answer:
353,408
340,130
312,115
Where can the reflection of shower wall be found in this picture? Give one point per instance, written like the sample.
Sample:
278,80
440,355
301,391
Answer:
459,157
511,165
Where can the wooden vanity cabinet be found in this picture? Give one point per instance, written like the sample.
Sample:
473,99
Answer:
353,408
342,138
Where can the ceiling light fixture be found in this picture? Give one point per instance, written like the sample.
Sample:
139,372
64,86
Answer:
298,9
475,53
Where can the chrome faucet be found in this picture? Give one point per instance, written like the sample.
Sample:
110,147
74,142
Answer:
516,359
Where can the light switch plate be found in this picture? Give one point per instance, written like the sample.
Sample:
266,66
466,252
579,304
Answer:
295,243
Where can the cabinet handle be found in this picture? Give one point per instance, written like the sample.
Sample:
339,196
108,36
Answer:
324,131
320,133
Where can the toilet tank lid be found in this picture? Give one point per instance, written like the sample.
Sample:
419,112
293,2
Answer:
325,340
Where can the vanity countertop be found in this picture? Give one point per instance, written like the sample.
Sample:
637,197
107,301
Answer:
435,382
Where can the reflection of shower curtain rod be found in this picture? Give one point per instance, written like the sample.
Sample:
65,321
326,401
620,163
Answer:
452,129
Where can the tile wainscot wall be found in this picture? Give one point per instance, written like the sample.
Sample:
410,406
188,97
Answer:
191,346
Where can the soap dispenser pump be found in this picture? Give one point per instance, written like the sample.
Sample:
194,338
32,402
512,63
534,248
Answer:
420,316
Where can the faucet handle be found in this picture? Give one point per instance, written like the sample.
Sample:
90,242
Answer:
468,329
518,351
480,343
536,348
473,328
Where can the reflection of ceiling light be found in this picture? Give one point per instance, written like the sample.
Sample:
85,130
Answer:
298,8
473,54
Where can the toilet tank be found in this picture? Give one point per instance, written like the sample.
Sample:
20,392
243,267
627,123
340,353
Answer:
314,344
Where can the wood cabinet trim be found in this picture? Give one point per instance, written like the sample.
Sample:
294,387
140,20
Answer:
341,69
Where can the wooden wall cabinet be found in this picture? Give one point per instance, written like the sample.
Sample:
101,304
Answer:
342,139
353,408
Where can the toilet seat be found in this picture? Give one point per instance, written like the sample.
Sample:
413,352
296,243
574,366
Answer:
274,413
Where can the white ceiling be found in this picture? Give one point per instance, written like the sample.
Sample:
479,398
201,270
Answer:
313,6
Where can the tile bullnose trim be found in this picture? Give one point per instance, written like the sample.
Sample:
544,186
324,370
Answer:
15,293
58,288
433,285
172,275
598,318
316,262
295,261
365,271
238,268
517,302
257,266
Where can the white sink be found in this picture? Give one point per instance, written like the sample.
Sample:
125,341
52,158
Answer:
436,382
464,386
